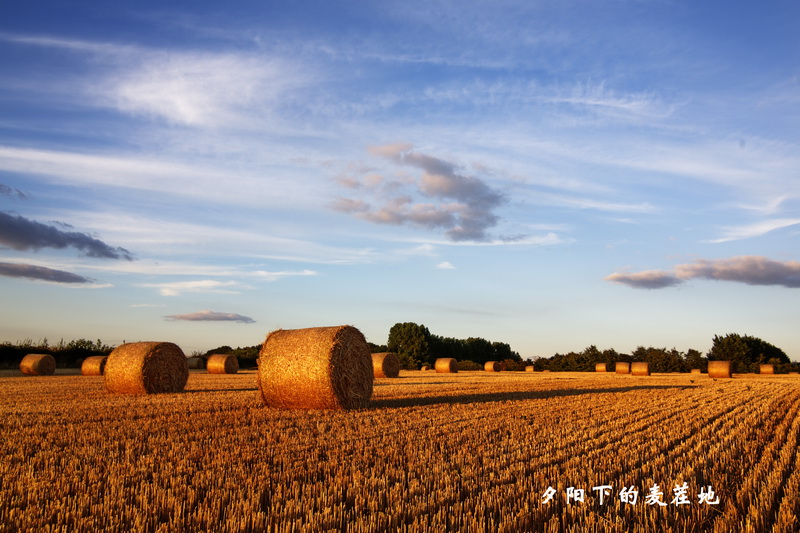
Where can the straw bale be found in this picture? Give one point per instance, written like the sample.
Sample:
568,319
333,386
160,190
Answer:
719,369
38,364
315,368
425,368
622,368
529,368
146,368
696,371
766,369
195,363
222,364
599,367
94,366
640,368
446,365
492,366
385,365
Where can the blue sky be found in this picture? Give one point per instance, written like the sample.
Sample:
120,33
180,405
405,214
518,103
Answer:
551,174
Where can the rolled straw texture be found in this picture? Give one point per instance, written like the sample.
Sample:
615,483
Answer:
446,365
425,368
622,368
599,367
529,368
766,369
222,364
385,365
315,368
719,369
195,363
38,364
696,371
492,366
640,368
146,368
94,366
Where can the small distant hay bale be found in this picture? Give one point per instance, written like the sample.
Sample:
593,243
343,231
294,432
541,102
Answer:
640,368
195,363
696,371
719,369
622,368
94,366
529,368
385,365
222,364
446,365
146,368
425,368
492,366
766,369
600,367
315,368
38,364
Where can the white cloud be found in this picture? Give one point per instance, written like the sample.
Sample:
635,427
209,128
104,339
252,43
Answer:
756,229
175,288
446,265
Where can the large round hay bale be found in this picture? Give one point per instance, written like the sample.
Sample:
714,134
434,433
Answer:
599,367
315,368
719,369
195,363
766,369
640,368
94,366
385,365
446,365
529,368
622,368
146,368
492,366
222,364
38,364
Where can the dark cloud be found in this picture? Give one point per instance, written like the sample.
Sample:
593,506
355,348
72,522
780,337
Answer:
21,233
461,205
650,279
8,191
212,316
748,269
21,270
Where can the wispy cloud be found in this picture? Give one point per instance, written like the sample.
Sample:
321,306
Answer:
21,233
211,316
21,270
446,265
463,205
275,276
756,229
750,270
14,193
175,288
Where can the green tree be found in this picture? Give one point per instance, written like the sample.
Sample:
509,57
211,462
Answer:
745,352
409,339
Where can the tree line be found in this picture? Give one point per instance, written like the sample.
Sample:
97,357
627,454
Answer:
415,346
744,352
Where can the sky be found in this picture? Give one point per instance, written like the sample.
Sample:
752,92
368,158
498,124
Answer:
552,174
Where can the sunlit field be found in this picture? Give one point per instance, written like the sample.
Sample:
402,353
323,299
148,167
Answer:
472,451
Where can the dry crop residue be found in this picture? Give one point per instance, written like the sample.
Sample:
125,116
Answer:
471,451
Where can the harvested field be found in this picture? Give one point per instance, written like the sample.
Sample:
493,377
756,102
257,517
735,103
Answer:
472,451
